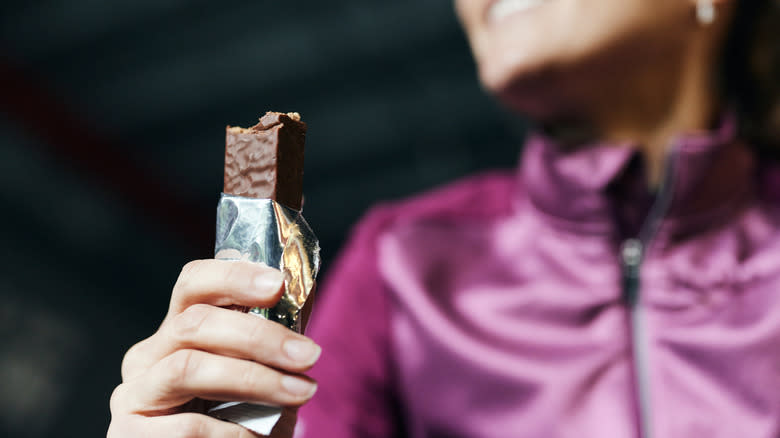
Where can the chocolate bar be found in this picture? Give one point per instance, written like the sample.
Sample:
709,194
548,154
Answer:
266,160
259,220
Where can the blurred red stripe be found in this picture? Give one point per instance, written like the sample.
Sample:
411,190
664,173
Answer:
102,160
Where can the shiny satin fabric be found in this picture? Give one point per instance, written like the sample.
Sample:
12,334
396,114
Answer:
493,307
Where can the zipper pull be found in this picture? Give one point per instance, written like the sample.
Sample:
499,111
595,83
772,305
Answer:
631,254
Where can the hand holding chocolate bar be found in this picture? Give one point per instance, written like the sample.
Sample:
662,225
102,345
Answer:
205,352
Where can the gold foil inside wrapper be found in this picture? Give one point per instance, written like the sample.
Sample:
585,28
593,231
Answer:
264,231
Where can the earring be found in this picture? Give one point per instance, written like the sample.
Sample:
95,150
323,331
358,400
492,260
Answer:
705,11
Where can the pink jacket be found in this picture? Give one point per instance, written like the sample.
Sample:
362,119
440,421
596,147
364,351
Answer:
561,300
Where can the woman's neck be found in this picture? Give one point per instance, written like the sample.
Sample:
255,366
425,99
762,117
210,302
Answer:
649,105
653,118
645,117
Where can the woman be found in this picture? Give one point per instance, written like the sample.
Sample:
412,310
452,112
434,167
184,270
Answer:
622,282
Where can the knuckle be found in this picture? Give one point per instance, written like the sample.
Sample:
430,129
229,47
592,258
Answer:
236,273
257,337
117,396
179,367
117,429
128,360
186,325
249,378
188,271
133,359
190,267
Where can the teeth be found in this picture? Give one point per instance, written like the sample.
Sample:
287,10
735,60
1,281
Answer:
503,8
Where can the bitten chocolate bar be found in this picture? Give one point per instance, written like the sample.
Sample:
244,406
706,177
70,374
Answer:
259,220
266,160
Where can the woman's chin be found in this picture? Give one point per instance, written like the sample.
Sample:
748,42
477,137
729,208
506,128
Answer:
531,91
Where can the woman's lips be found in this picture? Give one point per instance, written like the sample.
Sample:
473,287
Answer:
501,9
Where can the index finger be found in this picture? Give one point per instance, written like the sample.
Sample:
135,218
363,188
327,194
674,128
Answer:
225,283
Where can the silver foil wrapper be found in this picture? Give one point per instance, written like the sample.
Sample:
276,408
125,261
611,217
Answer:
264,231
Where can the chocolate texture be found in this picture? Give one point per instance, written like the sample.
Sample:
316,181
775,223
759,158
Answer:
266,160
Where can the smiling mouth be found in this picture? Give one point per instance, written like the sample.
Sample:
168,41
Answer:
504,8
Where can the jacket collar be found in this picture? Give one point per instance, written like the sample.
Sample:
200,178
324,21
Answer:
600,187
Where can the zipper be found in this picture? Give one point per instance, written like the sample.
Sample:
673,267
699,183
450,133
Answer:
632,253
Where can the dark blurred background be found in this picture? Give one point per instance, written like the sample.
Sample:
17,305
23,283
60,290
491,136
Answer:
112,135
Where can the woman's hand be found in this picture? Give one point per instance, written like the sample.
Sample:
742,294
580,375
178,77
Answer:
204,351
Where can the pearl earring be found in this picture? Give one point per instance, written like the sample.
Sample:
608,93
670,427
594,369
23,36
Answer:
705,12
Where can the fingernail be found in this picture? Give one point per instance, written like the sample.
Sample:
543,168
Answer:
298,386
305,352
269,282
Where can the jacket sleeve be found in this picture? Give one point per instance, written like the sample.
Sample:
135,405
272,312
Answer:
355,395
